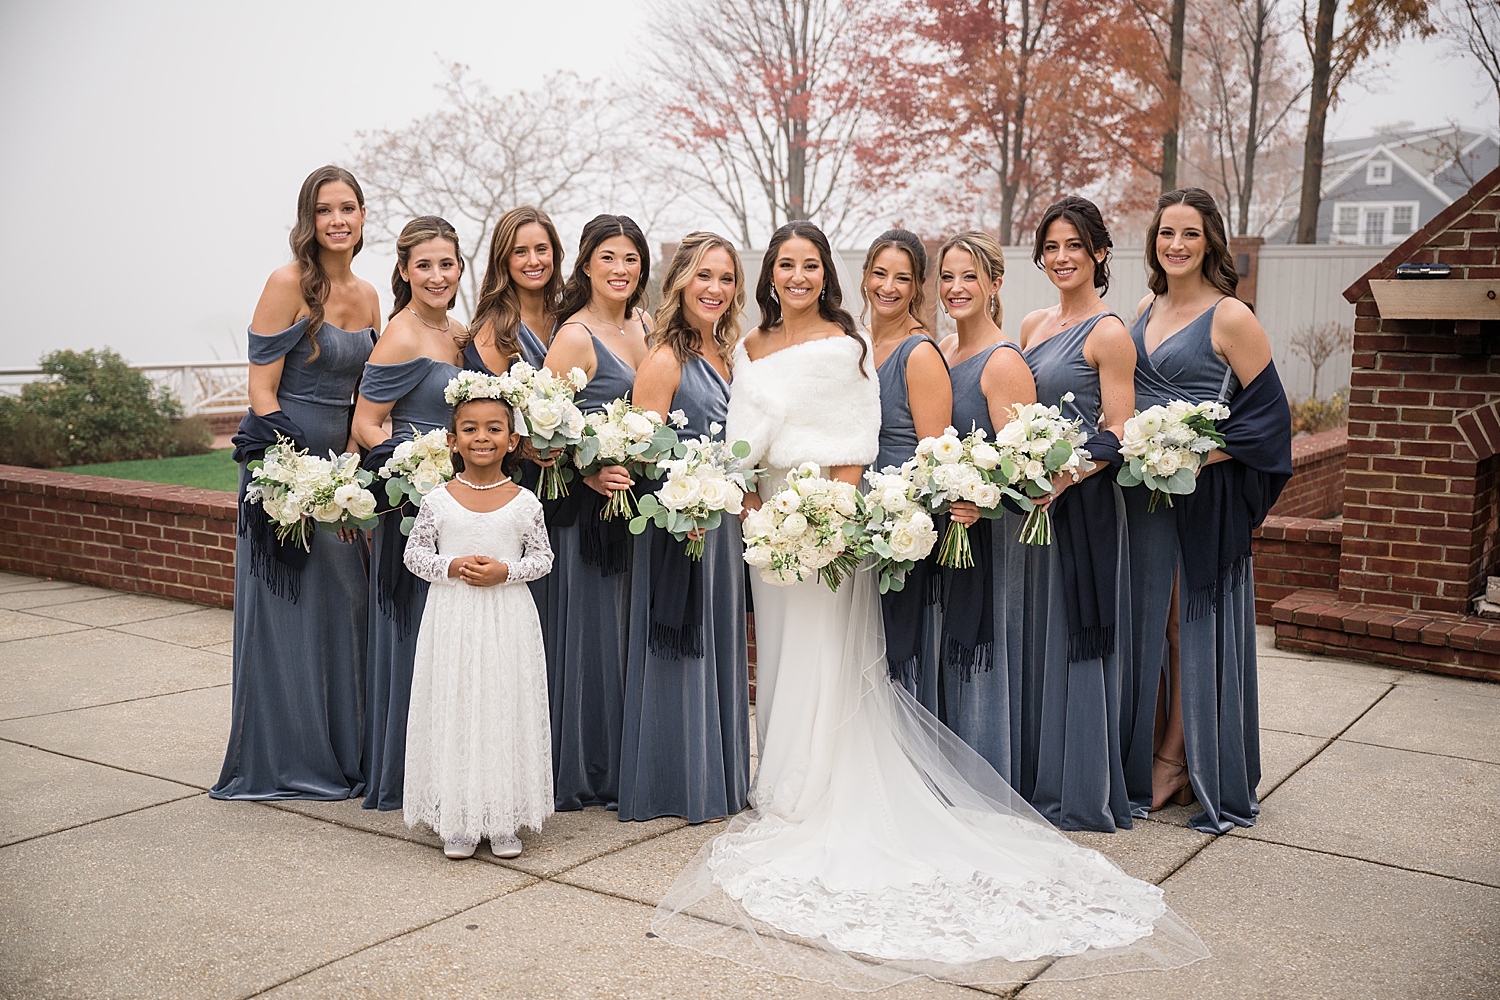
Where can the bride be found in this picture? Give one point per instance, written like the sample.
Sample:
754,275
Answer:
880,847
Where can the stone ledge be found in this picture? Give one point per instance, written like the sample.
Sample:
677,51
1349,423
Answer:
1316,621
121,492
1315,447
1320,530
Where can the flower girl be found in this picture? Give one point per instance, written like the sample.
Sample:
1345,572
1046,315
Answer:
479,745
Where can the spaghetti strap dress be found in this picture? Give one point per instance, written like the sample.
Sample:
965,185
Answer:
587,629
1072,769
415,388
983,694
898,443
1220,714
686,745
298,697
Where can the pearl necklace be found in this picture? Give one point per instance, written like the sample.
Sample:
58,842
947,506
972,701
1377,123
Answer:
489,487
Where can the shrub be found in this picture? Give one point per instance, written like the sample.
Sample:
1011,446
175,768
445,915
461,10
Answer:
93,407
1313,415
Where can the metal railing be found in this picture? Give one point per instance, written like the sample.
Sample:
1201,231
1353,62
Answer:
203,387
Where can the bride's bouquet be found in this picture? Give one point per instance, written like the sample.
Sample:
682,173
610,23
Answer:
805,531
1040,443
1164,446
949,468
704,482
300,492
896,530
545,402
415,469
623,434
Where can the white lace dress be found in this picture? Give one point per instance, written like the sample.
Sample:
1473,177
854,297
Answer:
478,735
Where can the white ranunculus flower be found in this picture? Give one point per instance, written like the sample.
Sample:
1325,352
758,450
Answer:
578,377
404,452
794,525
894,499
786,501
680,492
572,421
844,500
639,426
984,456
948,449
924,447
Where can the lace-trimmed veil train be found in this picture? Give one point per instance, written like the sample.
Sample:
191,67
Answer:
880,847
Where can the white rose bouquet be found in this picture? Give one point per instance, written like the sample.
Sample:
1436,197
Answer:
896,530
949,468
805,531
1164,446
1040,443
415,469
704,482
553,421
300,492
623,434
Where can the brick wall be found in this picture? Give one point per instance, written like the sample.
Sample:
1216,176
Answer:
150,538
1292,554
1317,485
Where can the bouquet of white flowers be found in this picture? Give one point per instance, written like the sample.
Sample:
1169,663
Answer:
896,530
554,421
805,531
300,492
623,434
415,469
949,468
704,482
1040,443
1164,447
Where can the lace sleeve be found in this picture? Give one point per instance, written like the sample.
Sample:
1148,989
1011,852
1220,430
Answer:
421,555
536,552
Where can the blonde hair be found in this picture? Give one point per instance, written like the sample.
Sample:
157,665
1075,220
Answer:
671,326
988,258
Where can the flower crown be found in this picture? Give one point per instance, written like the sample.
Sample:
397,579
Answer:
467,386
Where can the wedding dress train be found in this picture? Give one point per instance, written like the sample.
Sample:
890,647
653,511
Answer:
881,848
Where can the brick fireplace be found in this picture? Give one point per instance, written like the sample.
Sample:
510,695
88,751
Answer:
1422,478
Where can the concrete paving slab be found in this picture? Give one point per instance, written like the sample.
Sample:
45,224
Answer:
1294,700
1433,719
213,899
15,581
560,942
45,593
19,625
1281,754
117,609
1433,814
350,813
1479,689
644,872
203,628
1327,666
45,792
178,737
95,667
222,648
1286,923
1151,851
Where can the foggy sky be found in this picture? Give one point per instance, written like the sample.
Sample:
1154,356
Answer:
152,151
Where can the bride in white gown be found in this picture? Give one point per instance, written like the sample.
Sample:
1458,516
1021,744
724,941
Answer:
879,847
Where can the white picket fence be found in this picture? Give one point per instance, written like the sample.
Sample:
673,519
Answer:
203,387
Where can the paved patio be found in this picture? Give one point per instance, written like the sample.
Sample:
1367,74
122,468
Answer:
1374,871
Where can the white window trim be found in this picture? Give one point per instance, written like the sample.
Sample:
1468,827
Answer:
1371,179
1365,207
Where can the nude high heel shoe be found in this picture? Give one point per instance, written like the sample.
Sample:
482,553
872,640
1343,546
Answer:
1183,794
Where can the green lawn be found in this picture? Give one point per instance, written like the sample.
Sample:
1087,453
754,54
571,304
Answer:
212,471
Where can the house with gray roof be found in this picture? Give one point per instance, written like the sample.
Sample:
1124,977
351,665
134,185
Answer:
1380,189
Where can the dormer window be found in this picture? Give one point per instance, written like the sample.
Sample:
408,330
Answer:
1378,172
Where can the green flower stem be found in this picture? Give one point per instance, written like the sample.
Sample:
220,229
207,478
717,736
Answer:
956,552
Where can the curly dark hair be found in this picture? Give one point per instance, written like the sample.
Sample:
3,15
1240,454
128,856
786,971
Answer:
1084,216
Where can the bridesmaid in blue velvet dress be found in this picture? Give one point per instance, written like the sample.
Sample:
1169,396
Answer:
686,745
404,381
1079,646
1195,341
986,623
916,401
587,629
299,621
519,296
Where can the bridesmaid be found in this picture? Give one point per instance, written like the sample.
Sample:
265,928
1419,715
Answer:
403,382
299,617
1195,341
1080,643
985,624
517,308
587,631
916,401
686,747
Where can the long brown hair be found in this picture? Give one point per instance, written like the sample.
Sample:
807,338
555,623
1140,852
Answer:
304,241
579,289
499,302
415,233
671,326
989,258
830,300
908,243
1084,216
1218,262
